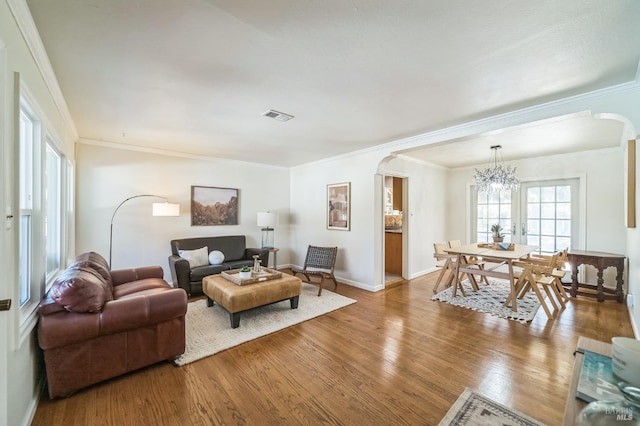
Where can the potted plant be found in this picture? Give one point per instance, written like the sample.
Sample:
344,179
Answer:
245,272
496,232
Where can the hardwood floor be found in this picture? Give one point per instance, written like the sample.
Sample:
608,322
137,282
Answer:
395,357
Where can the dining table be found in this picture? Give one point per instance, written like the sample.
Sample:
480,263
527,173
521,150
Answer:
499,263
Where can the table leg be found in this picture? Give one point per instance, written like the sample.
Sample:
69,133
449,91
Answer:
574,279
456,277
600,285
514,298
619,291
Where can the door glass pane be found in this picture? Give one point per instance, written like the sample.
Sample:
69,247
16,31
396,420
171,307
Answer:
493,207
551,210
563,210
563,194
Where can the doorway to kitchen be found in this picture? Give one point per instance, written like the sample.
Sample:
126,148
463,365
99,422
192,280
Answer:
395,202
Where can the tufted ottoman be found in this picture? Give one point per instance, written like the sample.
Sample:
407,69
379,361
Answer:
238,298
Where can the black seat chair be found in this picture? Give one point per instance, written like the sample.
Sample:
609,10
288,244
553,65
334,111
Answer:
319,262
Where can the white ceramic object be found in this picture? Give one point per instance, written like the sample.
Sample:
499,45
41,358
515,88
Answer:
244,275
626,359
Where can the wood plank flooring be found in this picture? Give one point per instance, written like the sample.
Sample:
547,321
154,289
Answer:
393,358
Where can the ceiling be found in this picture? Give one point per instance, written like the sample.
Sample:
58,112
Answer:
195,76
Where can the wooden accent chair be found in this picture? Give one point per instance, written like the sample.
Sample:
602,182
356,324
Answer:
319,262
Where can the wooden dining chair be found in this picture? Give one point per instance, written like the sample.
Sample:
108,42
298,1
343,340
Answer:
538,276
558,273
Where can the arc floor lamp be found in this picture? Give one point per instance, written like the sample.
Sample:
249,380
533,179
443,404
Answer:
159,209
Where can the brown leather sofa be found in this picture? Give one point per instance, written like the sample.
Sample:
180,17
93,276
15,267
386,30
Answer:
235,251
96,324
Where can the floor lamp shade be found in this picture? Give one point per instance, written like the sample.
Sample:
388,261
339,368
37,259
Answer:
166,209
267,220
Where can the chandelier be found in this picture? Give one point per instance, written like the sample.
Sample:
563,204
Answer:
497,176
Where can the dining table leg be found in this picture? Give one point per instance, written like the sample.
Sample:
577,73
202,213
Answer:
513,294
456,276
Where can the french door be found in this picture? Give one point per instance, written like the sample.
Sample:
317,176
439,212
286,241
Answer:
540,213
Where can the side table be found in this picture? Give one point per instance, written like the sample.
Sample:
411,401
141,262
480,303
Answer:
274,250
600,261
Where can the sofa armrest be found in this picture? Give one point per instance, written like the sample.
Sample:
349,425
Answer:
122,276
180,272
65,328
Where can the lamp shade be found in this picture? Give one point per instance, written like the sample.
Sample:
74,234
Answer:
267,219
166,209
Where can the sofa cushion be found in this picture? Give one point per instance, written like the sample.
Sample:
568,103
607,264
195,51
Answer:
81,289
96,261
197,274
239,264
216,257
197,257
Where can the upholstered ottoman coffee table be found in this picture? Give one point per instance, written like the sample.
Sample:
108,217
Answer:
239,298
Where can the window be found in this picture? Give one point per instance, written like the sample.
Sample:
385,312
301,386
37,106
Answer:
29,136
53,225
44,222
541,213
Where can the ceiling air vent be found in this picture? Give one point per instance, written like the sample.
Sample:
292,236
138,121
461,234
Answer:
276,115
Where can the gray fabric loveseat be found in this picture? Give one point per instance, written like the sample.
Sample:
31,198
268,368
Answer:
192,259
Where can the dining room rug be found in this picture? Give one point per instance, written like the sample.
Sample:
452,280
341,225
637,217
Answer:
489,299
208,330
473,409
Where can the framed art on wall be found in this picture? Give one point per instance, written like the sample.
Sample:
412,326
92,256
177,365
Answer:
212,206
339,206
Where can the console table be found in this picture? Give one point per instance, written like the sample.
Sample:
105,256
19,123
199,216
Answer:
573,405
600,261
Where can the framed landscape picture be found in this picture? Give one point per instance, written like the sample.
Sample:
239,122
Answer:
212,206
339,206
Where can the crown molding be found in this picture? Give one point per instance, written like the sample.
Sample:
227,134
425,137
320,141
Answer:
24,20
168,153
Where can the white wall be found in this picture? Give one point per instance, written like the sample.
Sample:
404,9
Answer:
107,176
427,189
355,260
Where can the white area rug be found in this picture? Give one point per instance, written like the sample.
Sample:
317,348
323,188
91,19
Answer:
472,409
208,330
489,299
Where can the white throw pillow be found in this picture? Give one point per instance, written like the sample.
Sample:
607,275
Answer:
198,257
216,257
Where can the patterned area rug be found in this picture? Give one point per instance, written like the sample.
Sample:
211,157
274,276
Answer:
473,409
490,299
208,330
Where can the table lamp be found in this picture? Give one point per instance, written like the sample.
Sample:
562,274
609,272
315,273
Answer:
267,220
